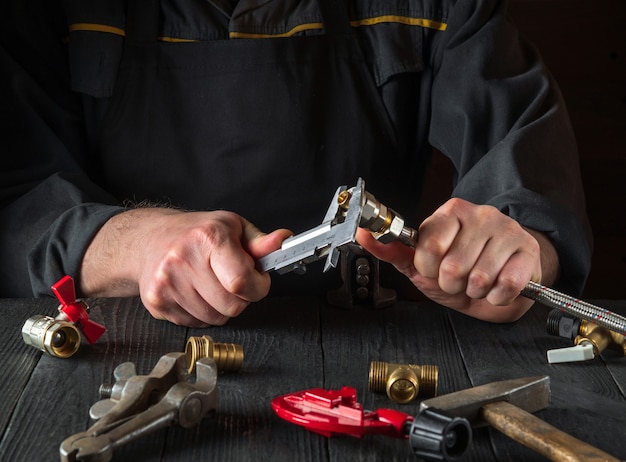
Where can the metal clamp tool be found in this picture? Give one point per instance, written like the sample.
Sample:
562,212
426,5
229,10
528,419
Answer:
142,404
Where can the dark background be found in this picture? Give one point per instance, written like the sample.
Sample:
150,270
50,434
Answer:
584,45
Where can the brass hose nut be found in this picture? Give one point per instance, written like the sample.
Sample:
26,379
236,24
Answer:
403,382
227,356
56,337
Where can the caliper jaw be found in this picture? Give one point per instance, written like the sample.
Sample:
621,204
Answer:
337,229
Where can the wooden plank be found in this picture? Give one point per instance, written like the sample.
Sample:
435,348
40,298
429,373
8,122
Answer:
281,342
282,345
586,401
17,359
614,361
56,400
292,344
404,333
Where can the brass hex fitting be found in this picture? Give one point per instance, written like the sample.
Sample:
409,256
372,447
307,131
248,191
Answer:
227,356
385,224
403,382
56,337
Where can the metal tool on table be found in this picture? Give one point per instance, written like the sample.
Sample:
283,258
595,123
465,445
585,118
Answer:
60,336
355,207
141,404
589,339
432,434
506,406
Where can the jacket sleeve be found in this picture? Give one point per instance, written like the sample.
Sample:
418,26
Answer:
49,207
499,116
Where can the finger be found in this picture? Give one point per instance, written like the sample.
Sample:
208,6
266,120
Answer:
506,264
175,299
493,259
460,261
396,253
175,314
235,270
166,309
209,302
519,269
436,235
262,244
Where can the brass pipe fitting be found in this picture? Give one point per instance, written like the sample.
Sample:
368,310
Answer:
56,337
227,356
600,338
385,224
403,382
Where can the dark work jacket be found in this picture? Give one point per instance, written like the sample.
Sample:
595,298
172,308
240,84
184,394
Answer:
258,134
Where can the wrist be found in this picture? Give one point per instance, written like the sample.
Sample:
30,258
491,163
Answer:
115,257
550,266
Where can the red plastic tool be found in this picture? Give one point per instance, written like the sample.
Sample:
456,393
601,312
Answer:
432,434
333,412
76,310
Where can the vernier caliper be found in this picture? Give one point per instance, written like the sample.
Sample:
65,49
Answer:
355,207
349,209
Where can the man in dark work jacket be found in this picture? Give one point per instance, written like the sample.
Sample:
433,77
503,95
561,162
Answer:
146,145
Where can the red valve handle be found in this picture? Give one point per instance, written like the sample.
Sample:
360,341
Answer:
75,310
333,412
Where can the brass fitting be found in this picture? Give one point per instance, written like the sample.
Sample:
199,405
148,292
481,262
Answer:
601,338
56,337
227,356
403,382
385,224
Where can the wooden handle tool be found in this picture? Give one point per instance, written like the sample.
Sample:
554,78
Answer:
507,406
539,435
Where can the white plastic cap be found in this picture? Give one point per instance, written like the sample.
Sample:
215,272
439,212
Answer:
581,352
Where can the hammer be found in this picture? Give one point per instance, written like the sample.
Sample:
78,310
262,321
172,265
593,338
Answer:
507,406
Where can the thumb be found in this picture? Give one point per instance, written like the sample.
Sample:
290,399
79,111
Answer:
258,244
396,253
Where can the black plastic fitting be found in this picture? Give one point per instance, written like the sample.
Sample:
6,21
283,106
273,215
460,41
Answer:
436,435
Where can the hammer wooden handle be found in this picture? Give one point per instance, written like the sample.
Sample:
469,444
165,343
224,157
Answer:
540,436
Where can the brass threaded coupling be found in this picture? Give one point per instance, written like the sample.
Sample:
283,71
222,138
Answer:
403,382
227,356
385,224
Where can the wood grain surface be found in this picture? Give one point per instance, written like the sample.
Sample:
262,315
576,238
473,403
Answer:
292,344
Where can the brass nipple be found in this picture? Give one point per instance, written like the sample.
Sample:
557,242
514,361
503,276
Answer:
227,356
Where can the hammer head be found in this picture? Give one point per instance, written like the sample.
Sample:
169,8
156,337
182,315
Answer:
530,394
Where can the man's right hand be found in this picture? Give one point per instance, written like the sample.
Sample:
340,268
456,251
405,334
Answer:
190,268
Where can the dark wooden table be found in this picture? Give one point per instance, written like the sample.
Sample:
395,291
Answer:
292,344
